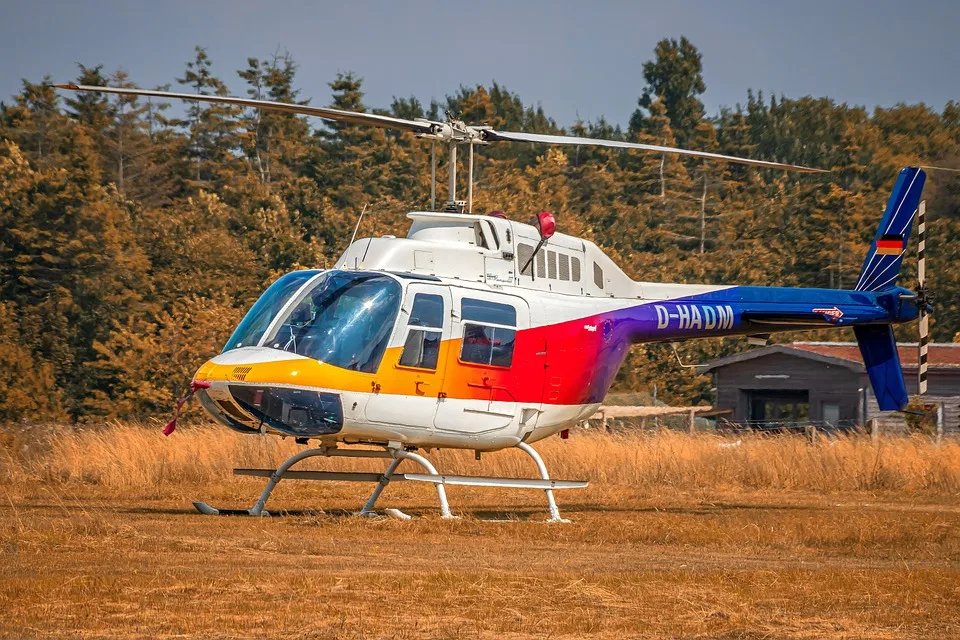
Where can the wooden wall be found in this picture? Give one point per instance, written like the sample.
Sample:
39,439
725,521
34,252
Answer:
824,382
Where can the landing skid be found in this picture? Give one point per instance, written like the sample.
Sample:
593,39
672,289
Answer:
396,456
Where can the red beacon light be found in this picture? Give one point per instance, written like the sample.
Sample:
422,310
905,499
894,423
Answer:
546,224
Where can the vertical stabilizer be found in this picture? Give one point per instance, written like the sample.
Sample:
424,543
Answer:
882,265
879,350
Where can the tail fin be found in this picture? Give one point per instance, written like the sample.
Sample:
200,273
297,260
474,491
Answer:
879,350
882,265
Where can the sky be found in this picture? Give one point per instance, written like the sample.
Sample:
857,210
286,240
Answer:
577,59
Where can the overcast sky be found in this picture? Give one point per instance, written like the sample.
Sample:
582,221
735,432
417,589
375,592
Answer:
574,58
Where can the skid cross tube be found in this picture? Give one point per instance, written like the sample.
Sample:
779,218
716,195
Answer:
542,468
399,455
277,475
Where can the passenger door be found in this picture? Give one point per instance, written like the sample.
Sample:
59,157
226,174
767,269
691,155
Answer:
480,387
413,375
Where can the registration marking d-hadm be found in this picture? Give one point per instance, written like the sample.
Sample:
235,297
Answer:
695,316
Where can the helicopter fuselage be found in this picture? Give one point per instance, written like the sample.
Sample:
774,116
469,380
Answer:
460,336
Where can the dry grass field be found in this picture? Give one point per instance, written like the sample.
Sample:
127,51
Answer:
676,537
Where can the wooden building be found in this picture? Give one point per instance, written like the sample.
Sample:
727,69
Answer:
826,384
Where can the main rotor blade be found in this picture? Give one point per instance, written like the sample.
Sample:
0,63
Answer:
352,117
513,136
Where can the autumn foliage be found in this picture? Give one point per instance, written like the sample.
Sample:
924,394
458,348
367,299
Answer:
132,240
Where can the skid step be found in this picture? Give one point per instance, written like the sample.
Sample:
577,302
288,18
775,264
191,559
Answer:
471,481
489,481
341,476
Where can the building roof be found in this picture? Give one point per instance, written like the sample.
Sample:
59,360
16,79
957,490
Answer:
844,354
939,354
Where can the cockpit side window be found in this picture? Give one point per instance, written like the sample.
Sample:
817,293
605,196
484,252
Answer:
489,332
257,320
421,349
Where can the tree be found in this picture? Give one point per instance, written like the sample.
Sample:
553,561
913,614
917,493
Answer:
275,142
674,76
128,147
29,384
73,264
212,129
35,123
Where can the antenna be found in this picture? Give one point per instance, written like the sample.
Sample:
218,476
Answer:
357,228
433,175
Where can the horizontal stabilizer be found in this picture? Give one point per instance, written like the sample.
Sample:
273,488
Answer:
879,350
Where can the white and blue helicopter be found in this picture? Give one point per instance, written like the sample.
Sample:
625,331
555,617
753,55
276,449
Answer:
483,333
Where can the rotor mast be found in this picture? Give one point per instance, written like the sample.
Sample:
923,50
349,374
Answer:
454,132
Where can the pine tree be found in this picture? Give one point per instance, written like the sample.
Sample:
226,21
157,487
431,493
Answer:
275,143
128,148
35,122
212,129
676,77
73,261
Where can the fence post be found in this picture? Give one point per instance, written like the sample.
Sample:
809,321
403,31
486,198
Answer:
939,423
874,425
693,421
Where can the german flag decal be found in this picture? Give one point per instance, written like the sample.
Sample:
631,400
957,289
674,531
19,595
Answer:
890,245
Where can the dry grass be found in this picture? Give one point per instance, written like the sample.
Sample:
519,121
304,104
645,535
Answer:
136,458
676,536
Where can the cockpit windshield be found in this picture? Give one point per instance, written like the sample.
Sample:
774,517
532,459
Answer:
342,318
257,320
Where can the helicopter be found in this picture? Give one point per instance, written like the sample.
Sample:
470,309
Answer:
484,333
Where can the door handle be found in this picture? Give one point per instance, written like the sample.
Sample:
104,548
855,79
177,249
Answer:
420,383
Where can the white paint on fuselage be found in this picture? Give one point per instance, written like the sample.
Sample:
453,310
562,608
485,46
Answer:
254,355
519,426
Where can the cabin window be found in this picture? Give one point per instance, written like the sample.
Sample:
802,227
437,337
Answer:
575,269
488,312
422,346
524,253
597,276
552,265
564,266
489,332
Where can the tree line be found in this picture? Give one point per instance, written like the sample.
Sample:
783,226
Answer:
132,240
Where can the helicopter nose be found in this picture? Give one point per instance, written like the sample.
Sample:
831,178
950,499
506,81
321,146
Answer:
255,387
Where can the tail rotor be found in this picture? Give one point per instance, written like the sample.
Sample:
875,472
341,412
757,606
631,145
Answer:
924,299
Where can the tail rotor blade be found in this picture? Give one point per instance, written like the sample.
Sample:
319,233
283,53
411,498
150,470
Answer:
924,319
